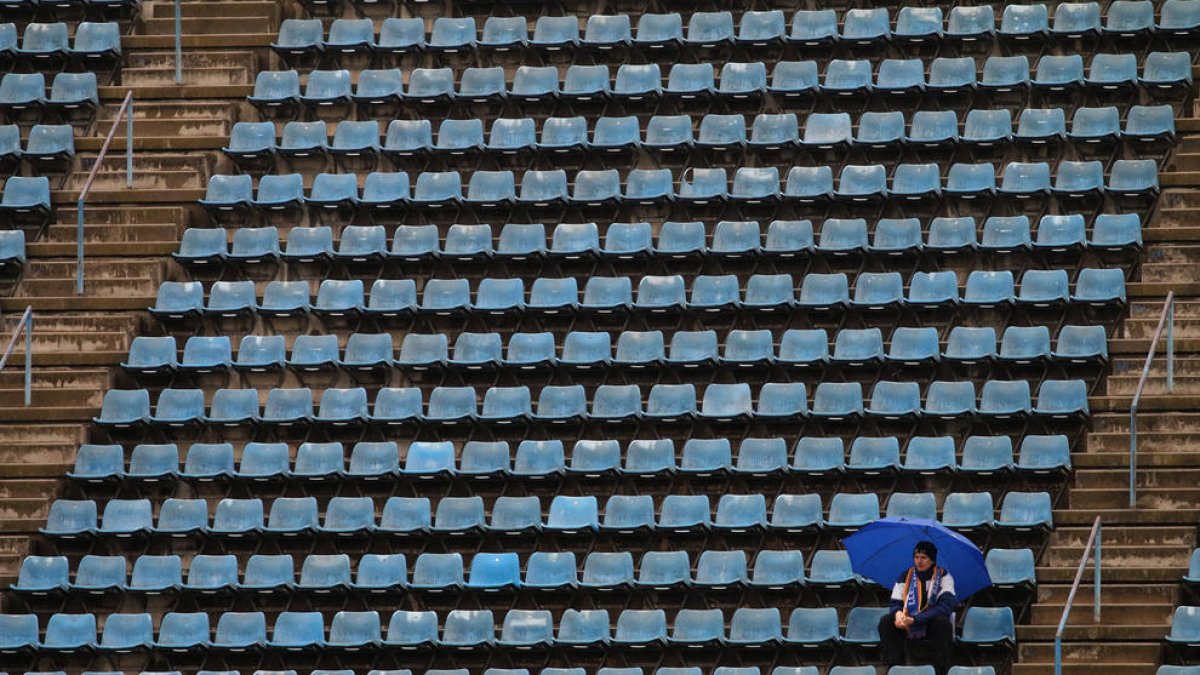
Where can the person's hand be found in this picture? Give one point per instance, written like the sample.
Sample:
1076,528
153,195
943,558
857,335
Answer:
899,621
908,622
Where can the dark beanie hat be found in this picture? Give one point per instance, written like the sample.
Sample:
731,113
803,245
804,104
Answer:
927,548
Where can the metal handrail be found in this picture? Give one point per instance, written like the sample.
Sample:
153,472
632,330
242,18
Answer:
1093,538
126,111
1165,320
178,42
25,325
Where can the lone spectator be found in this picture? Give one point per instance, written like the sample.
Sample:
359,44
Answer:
919,613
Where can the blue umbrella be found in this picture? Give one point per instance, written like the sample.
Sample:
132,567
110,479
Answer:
883,549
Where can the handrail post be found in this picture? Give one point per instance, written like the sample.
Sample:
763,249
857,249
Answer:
79,246
1171,342
28,356
1096,574
129,145
178,43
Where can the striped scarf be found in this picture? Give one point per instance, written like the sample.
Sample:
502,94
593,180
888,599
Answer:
917,600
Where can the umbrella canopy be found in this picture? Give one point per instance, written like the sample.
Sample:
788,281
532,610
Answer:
883,549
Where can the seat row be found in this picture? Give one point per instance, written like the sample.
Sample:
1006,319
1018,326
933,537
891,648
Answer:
623,514
350,632
251,141
69,92
447,572
764,293
562,404
859,27
583,351
542,460
729,240
274,90
780,670
751,186
45,41
52,7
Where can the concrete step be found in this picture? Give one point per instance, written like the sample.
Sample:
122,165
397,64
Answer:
164,75
144,287
1147,478
94,269
96,233
1128,604
120,214
250,24
1086,668
241,8
1081,499
1090,652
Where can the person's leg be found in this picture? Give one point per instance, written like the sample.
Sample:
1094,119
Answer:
940,638
891,642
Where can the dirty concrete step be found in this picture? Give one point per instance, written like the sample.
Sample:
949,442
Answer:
1148,421
165,76
1146,478
143,180
1090,652
14,433
108,233
1149,498
249,25
57,378
37,460
119,214
242,8
115,268
137,287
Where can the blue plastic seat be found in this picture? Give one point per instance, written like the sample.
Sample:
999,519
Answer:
504,33
314,352
512,136
637,82
401,35
607,31
641,629
551,571
743,81
900,77
299,37
1178,18
350,36
697,629
298,631
864,27
70,634
987,454
851,511
773,570
457,515
738,514
862,625
20,633
255,245
1005,399
1024,22
43,41
608,571
452,34
796,513
918,25
379,87
628,514
988,627
664,570
1076,20
650,458
968,511
595,458
848,77
410,631
795,79
573,515
1081,344
875,456
814,28
1062,400
748,348
762,28
438,572
685,513
1100,287
124,409
659,31
20,91
709,29
971,24
930,455
430,85
1011,568
98,574
722,132
327,88
920,505
583,629
813,627
555,33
